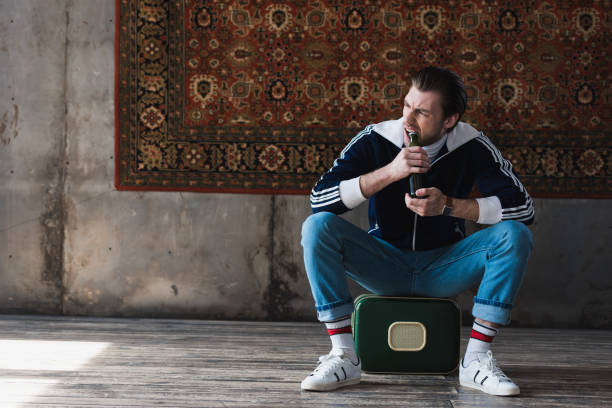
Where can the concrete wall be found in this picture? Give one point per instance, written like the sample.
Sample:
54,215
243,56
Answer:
71,244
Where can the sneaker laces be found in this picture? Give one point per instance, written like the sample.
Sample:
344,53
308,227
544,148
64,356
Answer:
329,362
491,364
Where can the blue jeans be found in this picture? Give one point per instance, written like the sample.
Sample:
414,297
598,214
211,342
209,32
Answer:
334,249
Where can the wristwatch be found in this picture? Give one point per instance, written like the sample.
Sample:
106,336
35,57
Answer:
448,206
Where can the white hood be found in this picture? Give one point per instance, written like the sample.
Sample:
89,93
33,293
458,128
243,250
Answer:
393,131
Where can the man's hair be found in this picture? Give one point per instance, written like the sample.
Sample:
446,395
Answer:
448,84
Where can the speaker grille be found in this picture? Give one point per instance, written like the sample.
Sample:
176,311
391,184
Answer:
407,336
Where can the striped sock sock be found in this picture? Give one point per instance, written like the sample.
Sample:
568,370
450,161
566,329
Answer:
341,336
480,342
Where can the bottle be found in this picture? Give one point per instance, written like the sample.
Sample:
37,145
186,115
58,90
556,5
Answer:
416,179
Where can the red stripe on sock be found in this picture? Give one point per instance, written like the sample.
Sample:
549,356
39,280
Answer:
482,337
341,330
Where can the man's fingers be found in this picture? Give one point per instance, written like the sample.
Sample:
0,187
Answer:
419,169
415,208
415,149
410,202
423,193
408,162
415,204
415,153
426,203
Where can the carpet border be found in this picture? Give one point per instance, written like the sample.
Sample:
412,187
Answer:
307,192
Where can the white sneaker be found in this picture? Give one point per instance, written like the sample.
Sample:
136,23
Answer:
335,370
484,375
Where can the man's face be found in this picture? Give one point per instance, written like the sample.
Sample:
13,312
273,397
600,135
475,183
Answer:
423,114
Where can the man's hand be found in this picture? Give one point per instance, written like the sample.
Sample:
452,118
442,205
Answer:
408,161
431,201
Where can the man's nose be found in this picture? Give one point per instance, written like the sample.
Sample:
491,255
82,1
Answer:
409,116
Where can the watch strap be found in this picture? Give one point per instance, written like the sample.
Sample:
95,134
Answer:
448,206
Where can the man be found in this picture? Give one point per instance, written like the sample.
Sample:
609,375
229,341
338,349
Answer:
417,246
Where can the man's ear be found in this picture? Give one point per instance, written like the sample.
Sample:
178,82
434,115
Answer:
450,121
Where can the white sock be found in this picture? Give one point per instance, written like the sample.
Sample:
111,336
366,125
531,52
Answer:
341,336
479,343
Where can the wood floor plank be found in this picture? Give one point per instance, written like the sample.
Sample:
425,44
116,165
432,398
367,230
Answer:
191,363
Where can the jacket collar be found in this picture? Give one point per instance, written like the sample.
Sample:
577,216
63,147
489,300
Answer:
393,131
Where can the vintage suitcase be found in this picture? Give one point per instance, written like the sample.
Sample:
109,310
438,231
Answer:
406,335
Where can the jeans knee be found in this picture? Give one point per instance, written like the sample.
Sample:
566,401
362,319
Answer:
314,225
518,235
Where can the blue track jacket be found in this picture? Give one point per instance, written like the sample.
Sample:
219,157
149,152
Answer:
467,159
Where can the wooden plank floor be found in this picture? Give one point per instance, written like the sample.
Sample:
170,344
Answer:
88,362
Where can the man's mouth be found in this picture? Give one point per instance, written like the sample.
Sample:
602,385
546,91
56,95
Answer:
409,130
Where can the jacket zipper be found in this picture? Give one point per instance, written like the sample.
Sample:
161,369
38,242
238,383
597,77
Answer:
414,232
440,158
416,215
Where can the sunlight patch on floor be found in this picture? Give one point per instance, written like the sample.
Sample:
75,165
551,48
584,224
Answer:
36,357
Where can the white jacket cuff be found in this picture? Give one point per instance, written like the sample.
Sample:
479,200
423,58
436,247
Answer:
490,210
350,193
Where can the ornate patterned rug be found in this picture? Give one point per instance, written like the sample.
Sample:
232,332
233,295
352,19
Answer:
261,96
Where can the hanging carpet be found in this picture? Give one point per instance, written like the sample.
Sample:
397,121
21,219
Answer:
262,96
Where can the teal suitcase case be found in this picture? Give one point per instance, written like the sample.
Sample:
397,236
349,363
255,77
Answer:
407,335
